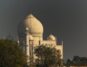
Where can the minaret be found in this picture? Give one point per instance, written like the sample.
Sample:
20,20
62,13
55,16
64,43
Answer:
29,48
27,45
62,53
31,57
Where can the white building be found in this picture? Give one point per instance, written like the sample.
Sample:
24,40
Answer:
31,35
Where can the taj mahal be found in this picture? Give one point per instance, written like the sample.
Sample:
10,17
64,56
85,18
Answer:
30,35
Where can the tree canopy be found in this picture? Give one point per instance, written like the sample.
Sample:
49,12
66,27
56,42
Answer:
11,55
77,61
47,56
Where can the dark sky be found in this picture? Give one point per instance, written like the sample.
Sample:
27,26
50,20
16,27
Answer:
66,19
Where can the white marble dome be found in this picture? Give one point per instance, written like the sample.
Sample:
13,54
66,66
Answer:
34,25
51,37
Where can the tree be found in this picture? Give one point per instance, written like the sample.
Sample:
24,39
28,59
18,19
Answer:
77,61
47,56
68,63
11,55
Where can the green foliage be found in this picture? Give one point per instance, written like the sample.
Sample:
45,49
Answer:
77,61
47,56
11,55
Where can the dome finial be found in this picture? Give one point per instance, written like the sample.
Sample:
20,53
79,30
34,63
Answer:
30,15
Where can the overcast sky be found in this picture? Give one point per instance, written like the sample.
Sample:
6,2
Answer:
66,19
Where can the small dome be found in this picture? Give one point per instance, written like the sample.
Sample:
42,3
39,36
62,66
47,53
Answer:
34,25
30,37
51,37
